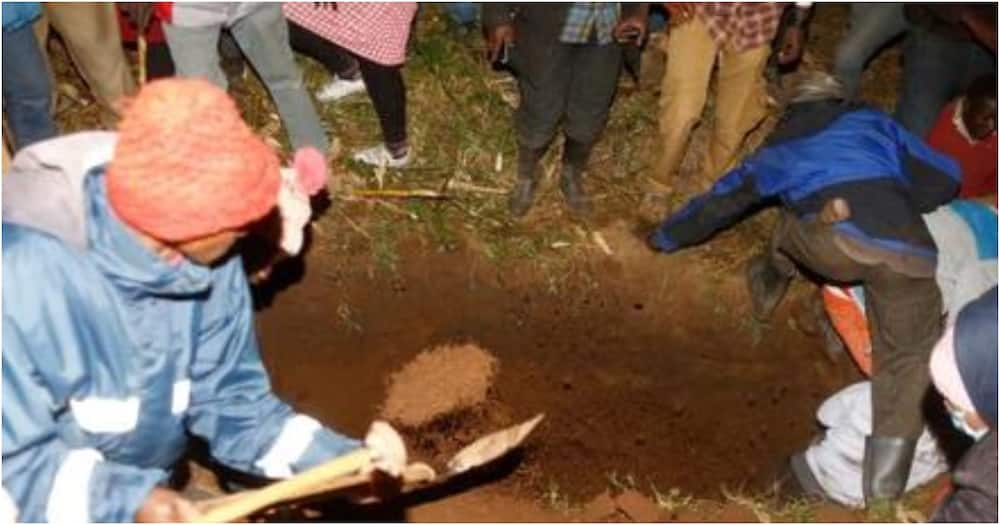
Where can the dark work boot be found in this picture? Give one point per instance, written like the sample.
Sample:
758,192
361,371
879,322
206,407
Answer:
886,468
522,196
767,285
802,483
571,184
575,156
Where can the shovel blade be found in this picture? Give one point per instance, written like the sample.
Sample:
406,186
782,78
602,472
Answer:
492,446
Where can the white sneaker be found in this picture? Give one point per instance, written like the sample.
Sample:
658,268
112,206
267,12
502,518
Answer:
337,89
380,156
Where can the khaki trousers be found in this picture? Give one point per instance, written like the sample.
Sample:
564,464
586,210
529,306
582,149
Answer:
90,31
740,98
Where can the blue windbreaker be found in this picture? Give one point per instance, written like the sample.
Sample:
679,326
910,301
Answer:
825,150
111,356
19,14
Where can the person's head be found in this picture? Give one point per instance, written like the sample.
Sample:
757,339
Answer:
979,111
188,175
964,366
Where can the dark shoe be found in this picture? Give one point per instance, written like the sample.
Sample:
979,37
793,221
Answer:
886,468
522,196
767,286
571,184
803,483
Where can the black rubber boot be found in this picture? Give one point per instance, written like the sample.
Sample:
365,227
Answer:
801,482
522,196
767,285
575,156
886,468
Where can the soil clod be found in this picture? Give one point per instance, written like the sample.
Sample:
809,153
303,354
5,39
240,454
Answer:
438,382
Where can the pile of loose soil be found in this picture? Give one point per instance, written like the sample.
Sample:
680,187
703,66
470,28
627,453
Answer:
438,382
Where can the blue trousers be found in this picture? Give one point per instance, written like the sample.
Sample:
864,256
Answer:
463,13
27,88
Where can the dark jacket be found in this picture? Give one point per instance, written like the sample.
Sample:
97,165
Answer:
974,498
823,150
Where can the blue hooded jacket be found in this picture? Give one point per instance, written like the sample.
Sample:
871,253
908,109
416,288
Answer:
19,14
111,356
824,150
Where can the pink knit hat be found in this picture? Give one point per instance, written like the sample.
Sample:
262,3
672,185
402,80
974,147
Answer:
187,166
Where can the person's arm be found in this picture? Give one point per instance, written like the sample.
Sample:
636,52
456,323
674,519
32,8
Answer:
49,348
975,495
935,177
680,12
498,27
48,479
793,37
982,23
731,197
634,17
232,405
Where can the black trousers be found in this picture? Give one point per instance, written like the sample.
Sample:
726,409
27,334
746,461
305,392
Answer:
571,84
384,83
904,319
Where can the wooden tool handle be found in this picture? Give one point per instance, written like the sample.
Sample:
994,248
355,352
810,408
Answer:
141,45
301,485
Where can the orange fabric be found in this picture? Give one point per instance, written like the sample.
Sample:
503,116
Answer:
187,166
850,322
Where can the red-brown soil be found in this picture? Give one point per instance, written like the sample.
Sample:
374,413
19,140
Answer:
438,382
646,366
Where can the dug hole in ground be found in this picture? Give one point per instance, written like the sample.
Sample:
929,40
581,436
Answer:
662,399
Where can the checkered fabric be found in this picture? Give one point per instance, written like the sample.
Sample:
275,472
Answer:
741,25
586,18
377,31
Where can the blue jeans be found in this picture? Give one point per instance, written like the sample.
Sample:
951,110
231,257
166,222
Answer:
27,89
263,37
935,70
462,13
871,27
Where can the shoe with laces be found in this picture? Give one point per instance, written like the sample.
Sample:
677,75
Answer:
338,88
381,156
